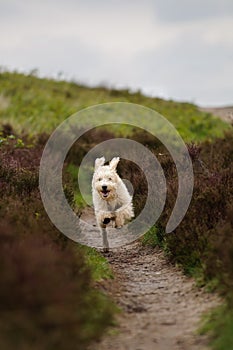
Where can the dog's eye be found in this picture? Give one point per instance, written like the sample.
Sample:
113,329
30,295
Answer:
110,179
100,179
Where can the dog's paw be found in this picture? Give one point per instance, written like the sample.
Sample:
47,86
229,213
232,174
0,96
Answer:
119,223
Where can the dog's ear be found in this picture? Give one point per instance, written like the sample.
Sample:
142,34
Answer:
99,162
114,162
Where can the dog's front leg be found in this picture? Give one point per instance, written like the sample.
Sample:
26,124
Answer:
103,219
105,238
119,220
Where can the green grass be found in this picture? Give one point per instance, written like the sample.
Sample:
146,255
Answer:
152,238
6,140
34,105
80,202
219,325
99,266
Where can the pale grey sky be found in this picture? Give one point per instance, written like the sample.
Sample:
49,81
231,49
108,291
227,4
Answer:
178,49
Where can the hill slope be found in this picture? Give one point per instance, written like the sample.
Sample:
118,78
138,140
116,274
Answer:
35,105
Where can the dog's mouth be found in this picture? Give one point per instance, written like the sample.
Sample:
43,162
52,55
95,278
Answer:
105,193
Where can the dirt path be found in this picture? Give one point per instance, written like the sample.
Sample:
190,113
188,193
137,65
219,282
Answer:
225,113
161,307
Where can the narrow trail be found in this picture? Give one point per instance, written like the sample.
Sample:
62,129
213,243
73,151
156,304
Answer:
161,307
224,113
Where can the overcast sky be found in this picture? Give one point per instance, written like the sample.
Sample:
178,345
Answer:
178,49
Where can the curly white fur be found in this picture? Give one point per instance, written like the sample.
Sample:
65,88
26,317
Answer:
112,201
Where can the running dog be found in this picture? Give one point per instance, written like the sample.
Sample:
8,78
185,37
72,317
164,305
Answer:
111,199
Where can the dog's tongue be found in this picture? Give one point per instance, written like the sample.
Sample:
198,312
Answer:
105,193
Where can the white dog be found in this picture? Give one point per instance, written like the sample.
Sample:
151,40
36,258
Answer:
111,199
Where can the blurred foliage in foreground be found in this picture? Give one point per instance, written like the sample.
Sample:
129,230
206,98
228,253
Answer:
47,294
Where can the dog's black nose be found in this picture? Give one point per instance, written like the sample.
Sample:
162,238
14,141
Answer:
104,187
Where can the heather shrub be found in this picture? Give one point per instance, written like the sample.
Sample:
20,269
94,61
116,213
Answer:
47,301
220,259
86,142
203,240
130,171
47,297
202,243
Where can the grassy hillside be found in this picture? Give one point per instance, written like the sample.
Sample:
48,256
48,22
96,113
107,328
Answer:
34,105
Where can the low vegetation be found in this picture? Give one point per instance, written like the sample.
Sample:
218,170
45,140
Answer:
48,298
47,293
203,243
35,106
